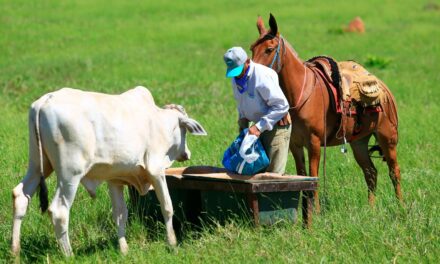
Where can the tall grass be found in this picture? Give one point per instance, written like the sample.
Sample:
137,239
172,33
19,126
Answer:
175,49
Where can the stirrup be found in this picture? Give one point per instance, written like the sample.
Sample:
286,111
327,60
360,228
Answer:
344,146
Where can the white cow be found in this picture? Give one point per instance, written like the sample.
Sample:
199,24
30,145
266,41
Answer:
92,137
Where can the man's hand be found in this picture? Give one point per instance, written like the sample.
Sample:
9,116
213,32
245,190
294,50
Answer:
253,130
242,124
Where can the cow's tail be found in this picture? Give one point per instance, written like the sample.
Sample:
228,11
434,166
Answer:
43,193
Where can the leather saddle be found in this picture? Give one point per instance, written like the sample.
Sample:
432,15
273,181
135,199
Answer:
349,81
328,70
359,85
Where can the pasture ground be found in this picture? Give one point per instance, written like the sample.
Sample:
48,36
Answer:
175,48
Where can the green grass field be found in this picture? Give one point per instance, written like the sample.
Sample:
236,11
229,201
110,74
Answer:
175,48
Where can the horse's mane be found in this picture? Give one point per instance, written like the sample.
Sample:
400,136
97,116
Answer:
270,36
267,36
291,47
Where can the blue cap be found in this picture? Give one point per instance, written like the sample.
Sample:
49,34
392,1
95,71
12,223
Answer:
234,58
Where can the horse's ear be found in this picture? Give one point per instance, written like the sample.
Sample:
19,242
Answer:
260,26
273,25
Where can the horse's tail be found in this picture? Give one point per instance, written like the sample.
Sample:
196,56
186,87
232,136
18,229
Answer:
377,148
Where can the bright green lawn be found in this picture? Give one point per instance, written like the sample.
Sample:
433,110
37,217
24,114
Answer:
175,48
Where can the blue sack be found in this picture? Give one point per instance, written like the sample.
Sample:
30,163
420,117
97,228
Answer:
235,162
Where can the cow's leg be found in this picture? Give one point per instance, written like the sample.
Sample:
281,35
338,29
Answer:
362,157
314,151
161,189
59,209
21,195
120,213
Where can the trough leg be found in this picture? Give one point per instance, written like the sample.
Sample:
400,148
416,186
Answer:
252,200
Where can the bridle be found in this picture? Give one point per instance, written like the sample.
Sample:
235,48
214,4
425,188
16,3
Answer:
279,65
277,55
277,59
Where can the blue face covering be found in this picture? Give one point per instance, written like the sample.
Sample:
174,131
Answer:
242,82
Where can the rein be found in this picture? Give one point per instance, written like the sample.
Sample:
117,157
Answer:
324,171
277,58
302,91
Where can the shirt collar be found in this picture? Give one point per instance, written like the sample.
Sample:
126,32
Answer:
243,78
241,84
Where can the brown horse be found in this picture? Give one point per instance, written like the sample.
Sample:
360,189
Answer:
316,123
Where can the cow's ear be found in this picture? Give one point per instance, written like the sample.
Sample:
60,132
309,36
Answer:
193,126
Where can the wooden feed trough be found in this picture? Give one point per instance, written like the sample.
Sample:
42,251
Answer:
203,193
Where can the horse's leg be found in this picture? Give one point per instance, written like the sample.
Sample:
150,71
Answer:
307,202
388,144
314,152
360,152
298,155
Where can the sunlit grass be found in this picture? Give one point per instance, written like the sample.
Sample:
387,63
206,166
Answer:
175,49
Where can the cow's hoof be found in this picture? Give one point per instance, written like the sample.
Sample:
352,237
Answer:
173,249
172,241
123,246
15,250
67,252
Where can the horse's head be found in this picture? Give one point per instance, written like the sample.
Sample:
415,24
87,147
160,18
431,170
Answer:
269,46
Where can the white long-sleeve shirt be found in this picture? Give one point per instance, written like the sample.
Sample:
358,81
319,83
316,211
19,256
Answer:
263,102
